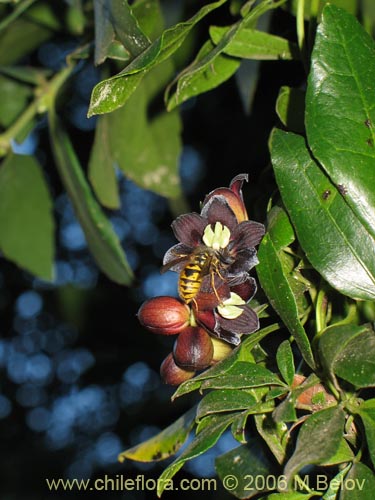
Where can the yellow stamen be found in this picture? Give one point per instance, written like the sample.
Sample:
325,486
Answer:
217,238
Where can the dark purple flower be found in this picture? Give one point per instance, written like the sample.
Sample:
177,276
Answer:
232,318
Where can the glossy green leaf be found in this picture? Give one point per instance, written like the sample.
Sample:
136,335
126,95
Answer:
100,235
164,444
254,44
113,92
334,240
206,438
245,469
209,70
290,108
340,109
285,361
349,352
359,484
318,440
367,414
276,278
224,400
26,216
101,171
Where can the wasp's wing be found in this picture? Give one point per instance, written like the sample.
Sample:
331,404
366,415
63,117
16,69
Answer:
176,258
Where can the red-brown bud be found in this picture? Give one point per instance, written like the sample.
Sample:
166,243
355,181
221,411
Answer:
165,315
172,374
307,399
233,196
193,349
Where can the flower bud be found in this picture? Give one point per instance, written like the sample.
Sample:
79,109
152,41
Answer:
221,350
164,315
172,374
193,349
233,196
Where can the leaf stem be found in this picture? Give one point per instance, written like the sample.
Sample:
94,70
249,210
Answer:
18,126
44,97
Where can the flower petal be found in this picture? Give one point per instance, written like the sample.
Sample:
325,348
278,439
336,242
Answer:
189,228
245,260
176,257
247,289
218,210
246,323
247,234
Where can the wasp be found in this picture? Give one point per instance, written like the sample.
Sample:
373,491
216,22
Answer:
201,262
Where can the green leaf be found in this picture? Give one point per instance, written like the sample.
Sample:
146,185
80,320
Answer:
104,31
290,108
147,149
26,74
212,66
20,39
334,484
367,414
242,375
26,217
126,26
14,97
274,434
318,440
100,235
253,44
349,352
276,280
285,411
285,361
101,171
343,455
359,483
247,470
313,9
334,240
164,444
206,438
210,69
340,109
224,400
113,92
